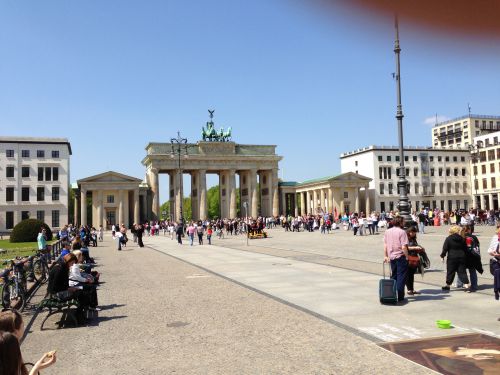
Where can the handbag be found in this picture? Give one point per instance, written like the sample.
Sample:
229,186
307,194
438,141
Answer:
413,261
493,265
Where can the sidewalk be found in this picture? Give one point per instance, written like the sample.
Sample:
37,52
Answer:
161,315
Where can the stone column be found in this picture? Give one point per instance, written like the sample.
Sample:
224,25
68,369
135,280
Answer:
75,210
315,201
195,193
284,204
231,187
481,202
274,199
254,199
367,199
330,201
83,206
342,207
155,191
308,201
490,201
136,206
120,207
356,200
322,200
171,194
99,205
202,193
296,206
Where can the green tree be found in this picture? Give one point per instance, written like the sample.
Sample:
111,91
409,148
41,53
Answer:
186,209
213,202
165,207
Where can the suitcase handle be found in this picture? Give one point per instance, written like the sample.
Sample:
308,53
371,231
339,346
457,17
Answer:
383,269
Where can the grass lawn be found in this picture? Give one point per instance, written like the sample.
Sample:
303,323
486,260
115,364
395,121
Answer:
17,249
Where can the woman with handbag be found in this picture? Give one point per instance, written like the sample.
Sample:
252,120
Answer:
413,260
472,258
455,248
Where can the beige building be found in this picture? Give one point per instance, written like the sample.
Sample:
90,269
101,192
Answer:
334,194
460,132
485,166
116,198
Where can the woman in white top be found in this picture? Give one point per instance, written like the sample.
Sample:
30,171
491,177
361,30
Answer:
84,280
494,252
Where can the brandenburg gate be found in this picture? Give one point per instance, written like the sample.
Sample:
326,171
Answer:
256,167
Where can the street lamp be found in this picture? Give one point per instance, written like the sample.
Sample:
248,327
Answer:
403,205
474,151
179,147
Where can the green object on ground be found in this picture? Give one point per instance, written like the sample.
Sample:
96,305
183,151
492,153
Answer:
443,324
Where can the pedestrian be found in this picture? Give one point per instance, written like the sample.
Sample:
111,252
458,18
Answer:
199,232
472,257
422,218
190,231
209,234
494,252
396,252
101,233
413,264
355,224
454,248
139,230
179,231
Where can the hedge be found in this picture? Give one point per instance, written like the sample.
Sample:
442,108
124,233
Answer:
27,231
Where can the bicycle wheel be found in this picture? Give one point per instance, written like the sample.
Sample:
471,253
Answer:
12,297
39,271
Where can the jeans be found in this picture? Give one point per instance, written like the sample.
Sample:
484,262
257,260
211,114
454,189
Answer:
209,238
399,268
421,227
191,239
473,279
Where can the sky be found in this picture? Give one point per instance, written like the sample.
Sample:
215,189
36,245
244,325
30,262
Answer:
114,75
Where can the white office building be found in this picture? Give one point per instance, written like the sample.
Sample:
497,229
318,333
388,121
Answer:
34,180
437,177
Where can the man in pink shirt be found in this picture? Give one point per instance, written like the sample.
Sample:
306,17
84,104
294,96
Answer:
396,252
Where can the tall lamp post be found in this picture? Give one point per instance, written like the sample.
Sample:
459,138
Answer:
474,151
179,147
403,205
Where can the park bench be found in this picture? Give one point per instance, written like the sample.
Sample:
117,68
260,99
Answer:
54,306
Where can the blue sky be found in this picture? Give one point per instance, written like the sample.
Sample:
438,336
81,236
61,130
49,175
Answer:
113,75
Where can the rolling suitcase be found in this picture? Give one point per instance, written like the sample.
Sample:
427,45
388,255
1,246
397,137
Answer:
388,292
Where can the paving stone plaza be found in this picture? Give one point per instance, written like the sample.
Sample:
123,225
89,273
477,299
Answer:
293,303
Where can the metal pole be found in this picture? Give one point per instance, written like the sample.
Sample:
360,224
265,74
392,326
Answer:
403,205
178,142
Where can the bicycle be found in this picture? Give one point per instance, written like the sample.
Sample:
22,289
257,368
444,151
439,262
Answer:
14,287
40,266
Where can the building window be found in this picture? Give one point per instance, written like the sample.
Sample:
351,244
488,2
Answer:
483,169
55,193
464,187
40,153
40,215
415,158
432,172
498,153
491,155
406,158
9,172
448,172
492,168
475,170
110,199
440,158
447,158
390,188
25,153
55,154
25,171
493,183
55,218
382,188
455,158
417,186
379,158
389,158
9,153
441,187
356,163
482,156
48,173
55,174
346,194
448,187
40,193
9,220
25,194
440,172
40,173
9,194
397,158
455,172
433,188
431,158
25,215
462,158
457,188
485,183
415,172
476,184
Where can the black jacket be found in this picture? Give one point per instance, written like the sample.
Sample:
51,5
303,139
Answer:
455,247
58,278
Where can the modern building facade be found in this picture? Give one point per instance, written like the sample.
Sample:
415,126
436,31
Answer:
437,178
485,166
460,132
34,180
